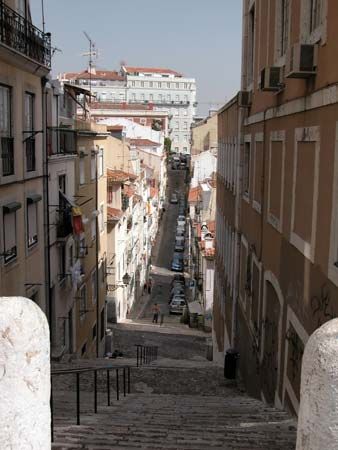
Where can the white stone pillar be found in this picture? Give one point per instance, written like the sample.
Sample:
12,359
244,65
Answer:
318,412
24,376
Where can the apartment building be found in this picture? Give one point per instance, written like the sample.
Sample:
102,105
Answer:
287,277
24,64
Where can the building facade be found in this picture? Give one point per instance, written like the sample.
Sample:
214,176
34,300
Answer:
204,135
287,230
24,65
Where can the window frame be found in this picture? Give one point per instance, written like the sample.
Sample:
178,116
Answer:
11,257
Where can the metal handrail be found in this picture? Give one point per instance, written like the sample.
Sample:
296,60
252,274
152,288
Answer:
80,370
145,354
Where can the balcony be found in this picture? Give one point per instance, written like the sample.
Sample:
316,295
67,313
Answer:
7,156
30,154
20,35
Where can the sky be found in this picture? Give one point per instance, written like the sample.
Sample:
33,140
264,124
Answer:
199,38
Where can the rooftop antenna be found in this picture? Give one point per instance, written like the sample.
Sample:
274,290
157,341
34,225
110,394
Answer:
91,54
43,15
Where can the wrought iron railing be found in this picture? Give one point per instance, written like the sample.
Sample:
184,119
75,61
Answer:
145,354
94,370
19,34
7,156
30,154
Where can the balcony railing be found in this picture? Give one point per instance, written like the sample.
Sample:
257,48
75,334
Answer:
19,34
7,156
30,154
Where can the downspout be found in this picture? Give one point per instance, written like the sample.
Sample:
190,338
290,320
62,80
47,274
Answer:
48,289
98,333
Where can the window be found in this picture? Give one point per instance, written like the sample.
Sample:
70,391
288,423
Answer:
284,37
177,98
94,286
142,97
150,84
185,85
251,43
177,149
101,218
151,97
83,301
246,168
142,83
133,97
133,83
92,167
177,85
9,231
5,111
82,170
315,14
28,131
21,7
32,229
185,138
185,112
103,325
100,161
110,194
176,138
185,125
159,84
70,256
169,98
160,97
185,149
62,183
177,125
94,332
186,98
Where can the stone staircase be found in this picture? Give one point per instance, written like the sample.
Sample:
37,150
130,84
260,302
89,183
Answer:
174,404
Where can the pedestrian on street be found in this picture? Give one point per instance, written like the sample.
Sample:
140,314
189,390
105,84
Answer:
156,311
149,286
161,318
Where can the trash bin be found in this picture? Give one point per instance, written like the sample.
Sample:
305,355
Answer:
230,363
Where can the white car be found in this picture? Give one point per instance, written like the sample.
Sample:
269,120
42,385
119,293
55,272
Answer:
181,223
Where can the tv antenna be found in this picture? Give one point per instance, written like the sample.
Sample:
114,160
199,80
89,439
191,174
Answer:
92,53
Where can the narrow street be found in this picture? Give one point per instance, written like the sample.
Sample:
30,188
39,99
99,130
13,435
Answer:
162,254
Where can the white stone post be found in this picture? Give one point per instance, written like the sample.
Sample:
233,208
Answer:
24,376
318,412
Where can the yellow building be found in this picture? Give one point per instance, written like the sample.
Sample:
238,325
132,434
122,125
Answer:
24,64
204,135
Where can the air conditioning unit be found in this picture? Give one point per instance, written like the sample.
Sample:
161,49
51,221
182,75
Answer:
301,61
244,99
270,79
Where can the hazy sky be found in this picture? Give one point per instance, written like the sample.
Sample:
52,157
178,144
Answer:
200,38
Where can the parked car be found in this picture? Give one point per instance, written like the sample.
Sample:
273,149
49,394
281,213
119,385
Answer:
181,217
177,305
180,233
177,265
178,283
181,223
182,166
179,246
177,290
178,255
173,198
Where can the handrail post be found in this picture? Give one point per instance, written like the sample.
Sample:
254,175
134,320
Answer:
117,385
51,410
77,398
124,381
95,391
108,388
128,380
137,351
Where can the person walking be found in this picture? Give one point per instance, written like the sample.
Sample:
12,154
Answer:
149,285
161,318
155,311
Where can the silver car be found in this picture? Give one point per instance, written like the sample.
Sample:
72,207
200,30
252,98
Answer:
177,305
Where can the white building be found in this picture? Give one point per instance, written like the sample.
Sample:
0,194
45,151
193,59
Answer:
204,166
168,91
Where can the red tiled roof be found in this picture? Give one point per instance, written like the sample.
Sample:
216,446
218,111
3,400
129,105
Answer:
144,143
114,213
119,176
119,106
132,70
194,194
99,75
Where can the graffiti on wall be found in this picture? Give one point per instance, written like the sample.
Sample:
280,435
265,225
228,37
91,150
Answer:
321,307
296,350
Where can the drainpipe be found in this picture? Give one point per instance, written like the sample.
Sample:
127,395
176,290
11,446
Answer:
48,289
98,334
